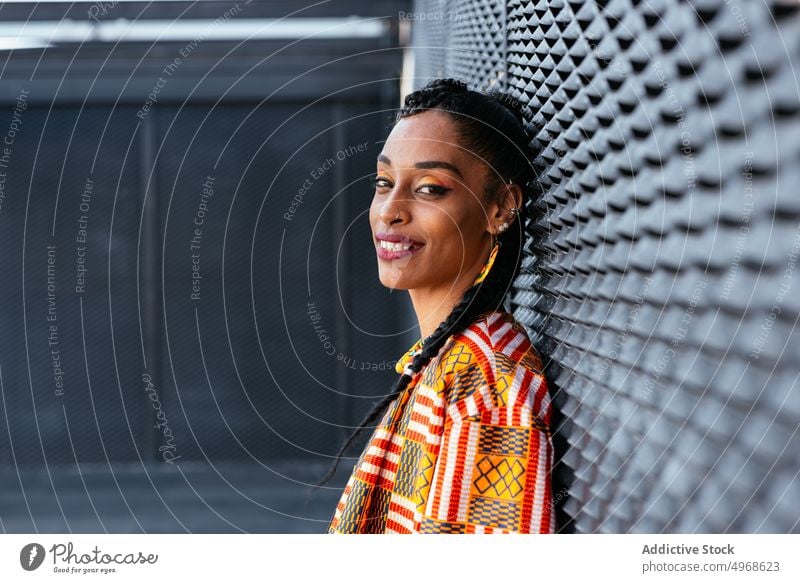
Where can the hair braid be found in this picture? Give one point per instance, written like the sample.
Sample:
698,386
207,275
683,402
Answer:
492,126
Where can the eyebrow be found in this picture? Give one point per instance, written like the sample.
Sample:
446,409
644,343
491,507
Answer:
427,164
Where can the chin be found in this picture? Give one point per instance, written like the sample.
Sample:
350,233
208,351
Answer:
394,285
392,280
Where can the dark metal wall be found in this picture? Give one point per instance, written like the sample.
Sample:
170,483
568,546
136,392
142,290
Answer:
236,337
661,282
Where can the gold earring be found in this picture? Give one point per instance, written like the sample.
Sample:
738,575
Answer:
485,271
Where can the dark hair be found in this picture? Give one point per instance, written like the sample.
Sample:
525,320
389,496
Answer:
492,126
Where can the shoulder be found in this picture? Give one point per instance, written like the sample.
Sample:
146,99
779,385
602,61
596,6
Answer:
495,356
497,343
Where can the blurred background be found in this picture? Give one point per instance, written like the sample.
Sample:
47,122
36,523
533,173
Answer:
190,314
188,184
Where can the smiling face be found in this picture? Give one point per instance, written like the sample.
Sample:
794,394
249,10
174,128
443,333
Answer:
430,193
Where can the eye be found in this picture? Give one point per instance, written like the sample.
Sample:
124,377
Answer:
434,189
376,182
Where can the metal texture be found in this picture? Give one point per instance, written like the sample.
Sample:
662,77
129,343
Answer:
660,282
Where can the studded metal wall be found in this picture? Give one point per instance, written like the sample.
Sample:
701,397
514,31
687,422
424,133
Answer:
661,281
465,38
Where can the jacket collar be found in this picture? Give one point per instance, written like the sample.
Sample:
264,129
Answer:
401,366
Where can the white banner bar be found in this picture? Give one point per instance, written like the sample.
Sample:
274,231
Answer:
389,558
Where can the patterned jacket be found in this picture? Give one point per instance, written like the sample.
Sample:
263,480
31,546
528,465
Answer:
466,448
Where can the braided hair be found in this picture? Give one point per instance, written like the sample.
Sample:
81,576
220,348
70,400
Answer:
492,126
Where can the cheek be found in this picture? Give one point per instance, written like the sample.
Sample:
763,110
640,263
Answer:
462,233
455,228
374,212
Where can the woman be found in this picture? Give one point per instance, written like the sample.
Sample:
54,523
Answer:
463,444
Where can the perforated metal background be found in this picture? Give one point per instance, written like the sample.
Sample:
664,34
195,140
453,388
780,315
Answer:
466,39
660,282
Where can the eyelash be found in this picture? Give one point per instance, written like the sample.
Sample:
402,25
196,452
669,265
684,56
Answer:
436,190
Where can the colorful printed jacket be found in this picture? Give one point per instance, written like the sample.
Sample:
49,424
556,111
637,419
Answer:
466,448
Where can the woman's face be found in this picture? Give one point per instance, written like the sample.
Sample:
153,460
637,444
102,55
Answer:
430,192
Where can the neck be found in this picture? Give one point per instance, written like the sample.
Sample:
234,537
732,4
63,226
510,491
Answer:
433,305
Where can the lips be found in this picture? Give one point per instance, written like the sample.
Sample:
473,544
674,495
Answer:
394,245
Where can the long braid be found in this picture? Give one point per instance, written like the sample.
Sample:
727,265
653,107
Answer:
493,126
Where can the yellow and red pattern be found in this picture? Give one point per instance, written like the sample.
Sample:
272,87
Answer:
466,448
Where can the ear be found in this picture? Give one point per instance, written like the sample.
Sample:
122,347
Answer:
498,211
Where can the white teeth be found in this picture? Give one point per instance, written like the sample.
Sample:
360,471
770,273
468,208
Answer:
388,245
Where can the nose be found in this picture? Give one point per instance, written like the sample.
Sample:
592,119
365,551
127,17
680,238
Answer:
393,209
390,217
